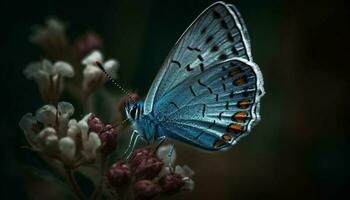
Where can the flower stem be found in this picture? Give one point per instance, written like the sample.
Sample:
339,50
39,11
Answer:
99,187
74,184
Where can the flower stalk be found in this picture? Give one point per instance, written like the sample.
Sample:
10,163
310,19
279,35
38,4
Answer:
73,183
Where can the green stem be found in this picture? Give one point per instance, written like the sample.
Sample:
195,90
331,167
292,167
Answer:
74,184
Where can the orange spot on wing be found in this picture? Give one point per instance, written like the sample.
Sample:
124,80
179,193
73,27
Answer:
239,116
219,143
234,128
243,103
240,81
226,137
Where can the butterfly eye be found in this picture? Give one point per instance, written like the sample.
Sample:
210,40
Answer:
133,112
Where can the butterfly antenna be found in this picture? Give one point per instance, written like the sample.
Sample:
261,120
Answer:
115,82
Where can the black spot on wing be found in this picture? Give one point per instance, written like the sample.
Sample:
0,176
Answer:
234,50
193,49
176,62
203,30
201,67
209,39
230,38
200,58
212,124
191,89
223,57
215,48
173,103
220,114
188,67
216,14
224,24
203,111
202,84
227,105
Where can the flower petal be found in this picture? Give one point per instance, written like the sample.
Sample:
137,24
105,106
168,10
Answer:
46,65
163,154
55,24
67,148
73,129
65,109
189,184
26,123
63,68
92,58
83,124
94,141
90,146
32,70
188,172
46,115
111,67
41,138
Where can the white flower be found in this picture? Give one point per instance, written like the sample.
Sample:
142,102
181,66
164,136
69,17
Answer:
49,77
167,154
61,138
90,141
47,115
186,173
93,76
50,116
28,124
67,148
51,36
73,129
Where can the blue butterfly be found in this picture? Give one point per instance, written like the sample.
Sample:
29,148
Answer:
208,90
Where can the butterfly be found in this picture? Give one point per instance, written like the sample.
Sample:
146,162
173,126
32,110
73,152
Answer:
207,93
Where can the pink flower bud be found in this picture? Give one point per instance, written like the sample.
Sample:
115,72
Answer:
119,174
95,124
108,137
145,190
171,183
148,168
139,155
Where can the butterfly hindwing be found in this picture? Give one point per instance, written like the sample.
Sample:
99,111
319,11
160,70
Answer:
217,34
215,108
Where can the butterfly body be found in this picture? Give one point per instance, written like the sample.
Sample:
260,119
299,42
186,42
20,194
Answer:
207,93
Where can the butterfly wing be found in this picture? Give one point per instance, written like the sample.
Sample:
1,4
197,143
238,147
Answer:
217,34
215,108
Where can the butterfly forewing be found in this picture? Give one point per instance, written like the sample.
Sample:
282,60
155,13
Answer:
217,34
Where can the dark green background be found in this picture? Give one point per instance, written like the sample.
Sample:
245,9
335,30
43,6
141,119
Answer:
300,150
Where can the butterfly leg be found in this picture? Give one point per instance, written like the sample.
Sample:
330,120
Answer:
133,146
161,141
132,142
170,155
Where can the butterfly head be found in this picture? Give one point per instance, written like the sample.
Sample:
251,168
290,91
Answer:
133,110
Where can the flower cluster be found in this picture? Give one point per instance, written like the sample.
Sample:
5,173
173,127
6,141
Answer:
69,143
52,132
93,76
49,77
150,174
